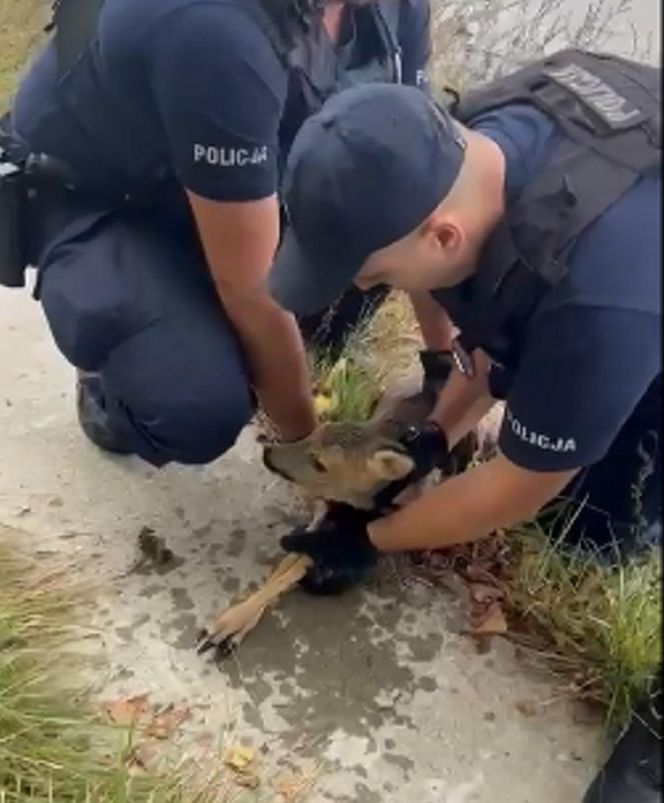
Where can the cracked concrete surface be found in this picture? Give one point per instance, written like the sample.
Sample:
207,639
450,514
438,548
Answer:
378,685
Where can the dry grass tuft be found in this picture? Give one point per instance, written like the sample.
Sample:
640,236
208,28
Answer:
597,623
21,29
54,747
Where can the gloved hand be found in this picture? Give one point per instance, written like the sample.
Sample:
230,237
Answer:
436,367
340,548
427,447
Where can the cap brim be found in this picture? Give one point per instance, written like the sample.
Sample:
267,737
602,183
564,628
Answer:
305,286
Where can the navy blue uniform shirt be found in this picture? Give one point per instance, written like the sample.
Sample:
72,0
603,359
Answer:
593,347
200,82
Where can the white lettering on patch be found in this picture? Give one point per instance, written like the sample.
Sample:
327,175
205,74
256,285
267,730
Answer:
230,157
609,105
541,440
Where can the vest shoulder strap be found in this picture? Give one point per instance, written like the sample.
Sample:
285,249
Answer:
390,10
607,103
74,23
608,109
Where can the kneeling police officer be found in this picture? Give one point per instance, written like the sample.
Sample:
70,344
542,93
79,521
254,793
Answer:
144,148
533,216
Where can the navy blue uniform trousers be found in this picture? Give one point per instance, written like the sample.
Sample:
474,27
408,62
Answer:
127,293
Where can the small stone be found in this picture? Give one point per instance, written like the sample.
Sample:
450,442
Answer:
526,707
386,700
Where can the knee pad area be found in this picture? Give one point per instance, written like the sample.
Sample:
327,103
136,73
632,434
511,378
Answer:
192,431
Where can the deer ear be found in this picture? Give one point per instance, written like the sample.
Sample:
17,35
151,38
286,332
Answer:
388,464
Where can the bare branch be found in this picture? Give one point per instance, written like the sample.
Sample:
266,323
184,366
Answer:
477,40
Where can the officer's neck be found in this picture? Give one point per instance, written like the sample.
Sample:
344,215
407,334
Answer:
478,197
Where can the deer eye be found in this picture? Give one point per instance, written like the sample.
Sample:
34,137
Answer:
318,466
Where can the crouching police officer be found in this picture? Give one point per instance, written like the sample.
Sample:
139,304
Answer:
147,139
535,222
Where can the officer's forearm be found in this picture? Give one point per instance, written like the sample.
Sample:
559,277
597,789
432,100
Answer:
472,505
463,402
239,239
436,327
278,365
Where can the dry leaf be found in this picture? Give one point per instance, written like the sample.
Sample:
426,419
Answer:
205,739
526,707
587,712
492,624
140,757
289,789
478,573
154,548
247,779
322,404
165,723
239,757
484,594
127,712
294,786
240,760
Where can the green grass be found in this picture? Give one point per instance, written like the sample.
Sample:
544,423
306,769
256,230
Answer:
597,622
53,749
53,746
379,349
45,739
345,389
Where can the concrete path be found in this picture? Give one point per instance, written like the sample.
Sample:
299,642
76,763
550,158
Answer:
378,685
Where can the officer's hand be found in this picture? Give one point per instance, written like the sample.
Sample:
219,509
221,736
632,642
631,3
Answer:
436,369
339,547
427,447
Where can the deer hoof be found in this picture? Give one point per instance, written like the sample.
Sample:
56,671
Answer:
223,647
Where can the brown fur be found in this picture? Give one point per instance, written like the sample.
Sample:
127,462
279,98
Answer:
343,462
350,462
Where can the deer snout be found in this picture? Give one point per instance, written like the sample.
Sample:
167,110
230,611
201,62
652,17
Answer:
268,462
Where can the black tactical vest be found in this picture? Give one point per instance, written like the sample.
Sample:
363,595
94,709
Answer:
315,73
608,109
316,69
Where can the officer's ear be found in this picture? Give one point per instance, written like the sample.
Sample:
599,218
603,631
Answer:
444,232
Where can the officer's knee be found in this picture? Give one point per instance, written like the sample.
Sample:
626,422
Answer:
193,429
199,432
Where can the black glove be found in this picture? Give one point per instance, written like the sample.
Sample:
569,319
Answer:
436,366
340,548
427,446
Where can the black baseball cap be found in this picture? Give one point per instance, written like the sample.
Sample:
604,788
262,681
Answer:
362,173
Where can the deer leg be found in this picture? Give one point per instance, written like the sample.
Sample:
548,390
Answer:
231,627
